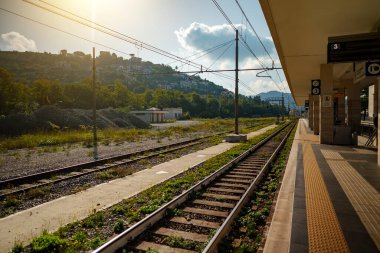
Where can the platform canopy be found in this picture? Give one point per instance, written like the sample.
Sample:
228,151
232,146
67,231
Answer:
300,31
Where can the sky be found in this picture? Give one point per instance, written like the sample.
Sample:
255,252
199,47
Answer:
181,27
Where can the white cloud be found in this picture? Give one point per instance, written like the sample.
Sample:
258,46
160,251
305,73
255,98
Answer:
198,37
18,42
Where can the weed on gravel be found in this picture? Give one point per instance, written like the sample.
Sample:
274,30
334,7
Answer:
248,233
101,226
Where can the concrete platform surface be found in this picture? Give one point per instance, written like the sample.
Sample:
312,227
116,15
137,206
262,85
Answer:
329,199
25,225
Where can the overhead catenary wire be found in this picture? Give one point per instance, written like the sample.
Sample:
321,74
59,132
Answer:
242,38
112,33
63,31
209,51
119,35
205,52
258,37
88,40
94,42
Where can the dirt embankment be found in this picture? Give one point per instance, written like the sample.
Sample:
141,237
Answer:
51,117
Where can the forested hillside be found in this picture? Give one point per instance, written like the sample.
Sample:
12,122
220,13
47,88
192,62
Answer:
71,68
31,80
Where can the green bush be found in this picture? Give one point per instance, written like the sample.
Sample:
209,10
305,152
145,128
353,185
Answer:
96,242
119,226
17,248
48,243
93,221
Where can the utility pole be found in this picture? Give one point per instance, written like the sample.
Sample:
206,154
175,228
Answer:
282,107
236,82
95,138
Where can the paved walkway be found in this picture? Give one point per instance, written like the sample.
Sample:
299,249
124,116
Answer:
329,199
25,225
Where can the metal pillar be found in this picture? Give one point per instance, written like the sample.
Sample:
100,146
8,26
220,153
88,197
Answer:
95,138
236,82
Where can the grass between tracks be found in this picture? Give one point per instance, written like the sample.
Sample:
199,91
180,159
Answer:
107,136
102,225
247,234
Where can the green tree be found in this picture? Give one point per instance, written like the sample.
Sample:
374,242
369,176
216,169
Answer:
7,91
47,92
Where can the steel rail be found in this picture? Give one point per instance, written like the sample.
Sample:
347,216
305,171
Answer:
81,166
104,167
131,233
225,228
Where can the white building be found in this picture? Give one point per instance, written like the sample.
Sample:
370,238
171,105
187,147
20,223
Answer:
151,115
173,113
155,115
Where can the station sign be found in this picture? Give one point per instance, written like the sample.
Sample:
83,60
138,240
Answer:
316,87
350,48
327,101
372,68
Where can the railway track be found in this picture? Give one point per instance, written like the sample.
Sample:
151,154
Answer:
199,219
18,185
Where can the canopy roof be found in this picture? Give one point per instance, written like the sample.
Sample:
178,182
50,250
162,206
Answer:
300,31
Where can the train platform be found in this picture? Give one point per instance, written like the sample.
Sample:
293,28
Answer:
329,199
27,224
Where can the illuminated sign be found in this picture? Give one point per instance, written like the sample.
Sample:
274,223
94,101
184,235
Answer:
372,68
315,87
358,47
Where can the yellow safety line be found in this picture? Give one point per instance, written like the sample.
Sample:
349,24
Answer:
364,197
324,231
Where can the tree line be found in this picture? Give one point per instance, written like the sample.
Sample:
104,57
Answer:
20,97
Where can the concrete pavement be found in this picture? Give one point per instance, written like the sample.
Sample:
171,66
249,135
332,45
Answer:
27,224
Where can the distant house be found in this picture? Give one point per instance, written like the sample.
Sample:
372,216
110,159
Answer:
151,115
173,113
156,115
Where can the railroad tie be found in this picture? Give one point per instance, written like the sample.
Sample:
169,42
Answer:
220,189
239,176
196,222
236,180
241,186
244,172
213,203
206,212
221,196
185,235
145,246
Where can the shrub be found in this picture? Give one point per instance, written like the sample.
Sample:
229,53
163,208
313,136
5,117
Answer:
17,248
95,220
48,243
119,226
96,242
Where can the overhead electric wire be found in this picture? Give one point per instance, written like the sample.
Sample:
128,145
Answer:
94,42
242,38
113,33
126,37
234,28
205,51
105,46
220,55
63,31
134,41
258,37
209,51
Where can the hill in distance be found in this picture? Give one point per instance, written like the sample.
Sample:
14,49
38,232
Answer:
138,75
288,99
